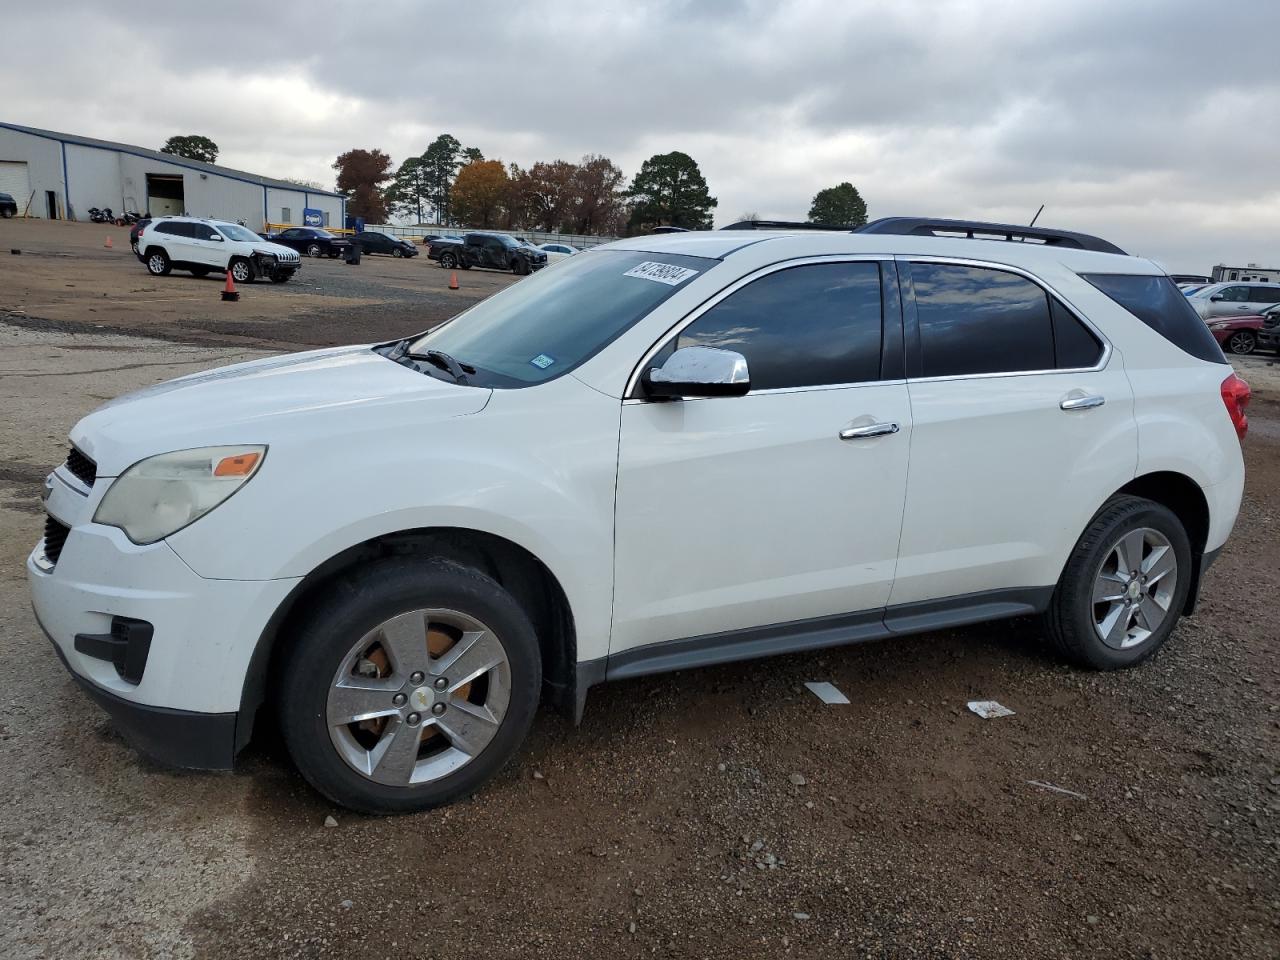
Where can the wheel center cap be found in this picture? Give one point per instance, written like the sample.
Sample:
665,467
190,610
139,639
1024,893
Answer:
422,699
1134,590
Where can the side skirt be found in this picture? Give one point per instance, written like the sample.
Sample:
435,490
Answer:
800,635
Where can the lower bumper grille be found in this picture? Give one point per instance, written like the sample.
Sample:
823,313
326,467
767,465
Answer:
55,538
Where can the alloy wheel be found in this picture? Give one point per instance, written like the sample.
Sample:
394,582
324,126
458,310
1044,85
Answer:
1134,588
1241,342
418,697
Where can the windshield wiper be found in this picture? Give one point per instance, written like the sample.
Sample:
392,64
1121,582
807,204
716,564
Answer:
445,362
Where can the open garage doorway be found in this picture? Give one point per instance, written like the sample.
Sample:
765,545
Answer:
164,195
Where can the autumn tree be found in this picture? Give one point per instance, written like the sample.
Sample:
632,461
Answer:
670,190
479,194
840,206
193,147
361,174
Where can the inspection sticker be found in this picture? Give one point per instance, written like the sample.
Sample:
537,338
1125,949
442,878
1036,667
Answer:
667,273
542,361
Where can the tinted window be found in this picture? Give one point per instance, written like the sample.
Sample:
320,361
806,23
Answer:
1159,304
1234,294
203,231
1073,343
1264,294
805,326
977,320
175,229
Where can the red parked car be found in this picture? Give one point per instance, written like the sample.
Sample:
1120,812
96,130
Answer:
1242,335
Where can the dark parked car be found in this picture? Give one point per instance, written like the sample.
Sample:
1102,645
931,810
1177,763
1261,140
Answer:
312,241
436,246
135,232
493,251
371,241
8,206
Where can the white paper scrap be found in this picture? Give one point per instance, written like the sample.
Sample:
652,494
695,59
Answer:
989,709
826,692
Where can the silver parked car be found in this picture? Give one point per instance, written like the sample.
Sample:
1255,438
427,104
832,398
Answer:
1234,299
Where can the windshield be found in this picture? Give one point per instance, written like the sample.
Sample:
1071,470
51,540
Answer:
546,324
322,234
233,231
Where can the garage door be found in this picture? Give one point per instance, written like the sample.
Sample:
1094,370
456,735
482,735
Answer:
14,181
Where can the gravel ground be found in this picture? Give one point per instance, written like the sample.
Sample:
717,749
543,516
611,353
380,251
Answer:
717,813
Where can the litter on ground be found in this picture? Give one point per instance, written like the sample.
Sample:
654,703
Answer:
989,709
826,692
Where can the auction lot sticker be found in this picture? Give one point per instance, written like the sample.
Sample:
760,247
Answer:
667,273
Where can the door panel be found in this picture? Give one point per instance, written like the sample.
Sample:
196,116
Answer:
738,512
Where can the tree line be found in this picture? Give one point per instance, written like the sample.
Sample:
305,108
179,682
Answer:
456,185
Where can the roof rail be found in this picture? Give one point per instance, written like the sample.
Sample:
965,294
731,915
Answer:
979,230
783,225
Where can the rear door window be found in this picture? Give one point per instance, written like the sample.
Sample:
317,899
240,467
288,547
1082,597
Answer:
1158,303
979,320
1264,295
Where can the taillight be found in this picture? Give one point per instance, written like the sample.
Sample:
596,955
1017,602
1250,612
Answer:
1235,394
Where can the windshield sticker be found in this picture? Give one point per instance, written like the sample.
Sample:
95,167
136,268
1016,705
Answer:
667,273
542,361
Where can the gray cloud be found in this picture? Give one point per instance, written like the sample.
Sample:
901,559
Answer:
1152,123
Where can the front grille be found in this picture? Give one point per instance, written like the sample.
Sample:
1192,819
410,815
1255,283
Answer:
55,538
81,467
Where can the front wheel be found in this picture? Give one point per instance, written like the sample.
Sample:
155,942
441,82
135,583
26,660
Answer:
313,250
409,685
1124,587
1242,342
158,264
241,270
448,261
397,253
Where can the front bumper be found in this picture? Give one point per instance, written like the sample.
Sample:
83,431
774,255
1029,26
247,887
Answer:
183,707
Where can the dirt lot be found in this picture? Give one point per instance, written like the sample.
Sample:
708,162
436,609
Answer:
670,823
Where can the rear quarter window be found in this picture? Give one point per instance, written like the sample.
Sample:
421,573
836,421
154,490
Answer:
1158,303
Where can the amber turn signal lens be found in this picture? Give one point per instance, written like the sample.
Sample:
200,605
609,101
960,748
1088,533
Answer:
240,465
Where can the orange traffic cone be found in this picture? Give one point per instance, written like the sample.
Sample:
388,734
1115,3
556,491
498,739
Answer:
229,291
453,280
108,243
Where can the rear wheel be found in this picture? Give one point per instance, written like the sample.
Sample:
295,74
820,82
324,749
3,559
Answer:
158,264
1124,586
1242,342
409,685
241,270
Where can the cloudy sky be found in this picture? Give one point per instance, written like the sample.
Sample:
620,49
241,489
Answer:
1154,124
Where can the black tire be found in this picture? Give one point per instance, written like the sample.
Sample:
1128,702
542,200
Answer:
1242,342
6,213
199,271
241,270
356,604
1069,621
158,262
397,252
314,250
448,261
133,245
282,276
333,254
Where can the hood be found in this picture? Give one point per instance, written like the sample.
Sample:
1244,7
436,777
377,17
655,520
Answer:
299,397
279,249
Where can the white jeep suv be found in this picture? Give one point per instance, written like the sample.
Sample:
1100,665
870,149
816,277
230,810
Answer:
669,451
214,246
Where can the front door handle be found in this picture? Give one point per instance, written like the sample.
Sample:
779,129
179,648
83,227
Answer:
870,430
1085,402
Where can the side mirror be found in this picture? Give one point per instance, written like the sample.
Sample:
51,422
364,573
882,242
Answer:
1215,298
216,236
698,372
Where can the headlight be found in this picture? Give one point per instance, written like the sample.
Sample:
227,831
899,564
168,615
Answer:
159,496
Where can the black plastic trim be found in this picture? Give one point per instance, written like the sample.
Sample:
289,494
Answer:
176,738
800,635
933,227
126,646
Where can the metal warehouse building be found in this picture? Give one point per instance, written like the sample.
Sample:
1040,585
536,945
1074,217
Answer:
60,176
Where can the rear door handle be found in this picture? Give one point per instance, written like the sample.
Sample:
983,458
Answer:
870,430
1086,402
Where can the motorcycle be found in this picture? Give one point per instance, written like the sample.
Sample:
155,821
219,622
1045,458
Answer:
128,218
101,216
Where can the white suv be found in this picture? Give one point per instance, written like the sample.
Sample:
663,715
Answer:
214,246
669,451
